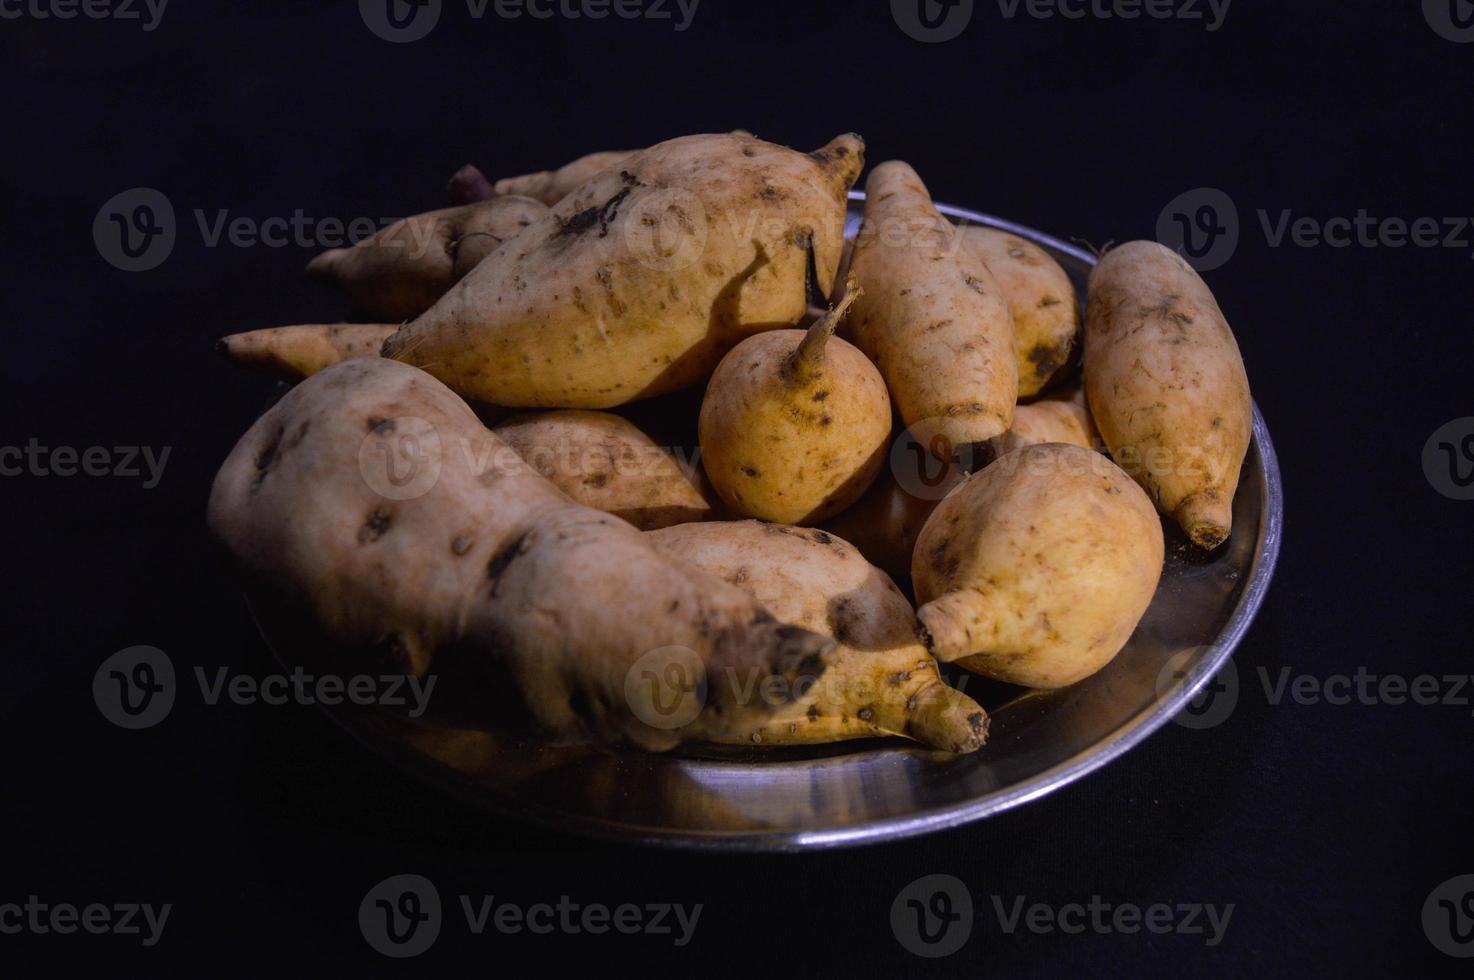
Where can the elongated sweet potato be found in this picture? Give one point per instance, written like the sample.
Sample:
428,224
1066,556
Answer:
638,282
1167,386
1041,298
371,504
400,272
298,351
604,461
931,316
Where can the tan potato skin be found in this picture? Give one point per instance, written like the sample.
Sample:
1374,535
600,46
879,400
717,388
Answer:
296,352
1036,570
605,462
638,282
879,680
932,316
489,566
794,425
1064,418
1041,298
551,186
1167,386
400,272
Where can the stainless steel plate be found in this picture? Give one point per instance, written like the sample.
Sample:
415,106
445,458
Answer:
856,793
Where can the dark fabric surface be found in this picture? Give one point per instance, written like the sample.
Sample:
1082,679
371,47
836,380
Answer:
1326,827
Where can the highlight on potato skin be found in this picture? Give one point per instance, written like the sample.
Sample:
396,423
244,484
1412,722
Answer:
1167,386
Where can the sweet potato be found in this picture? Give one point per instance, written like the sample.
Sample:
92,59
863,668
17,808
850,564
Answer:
1036,570
371,504
1167,386
1063,418
638,282
605,462
878,680
295,352
795,424
1041,298
932,316
400,272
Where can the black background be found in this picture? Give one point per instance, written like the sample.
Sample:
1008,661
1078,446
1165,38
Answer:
1326,827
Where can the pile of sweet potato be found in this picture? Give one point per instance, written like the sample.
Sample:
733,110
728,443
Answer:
620,589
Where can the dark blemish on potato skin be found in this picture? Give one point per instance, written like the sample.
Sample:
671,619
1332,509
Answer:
375,525
866,714
813,713
502,560
751,471
460,545
380,426
823,538
266,457
819,396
